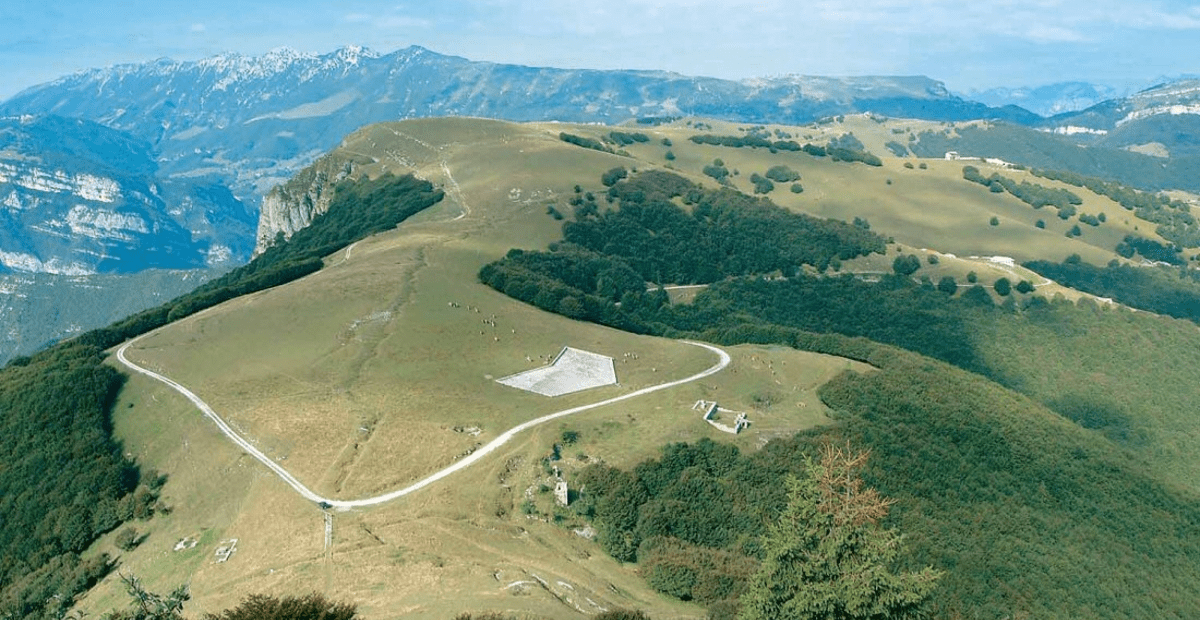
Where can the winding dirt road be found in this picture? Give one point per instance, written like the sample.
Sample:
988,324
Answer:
464,463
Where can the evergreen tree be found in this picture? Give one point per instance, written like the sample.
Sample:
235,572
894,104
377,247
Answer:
150,605
828,557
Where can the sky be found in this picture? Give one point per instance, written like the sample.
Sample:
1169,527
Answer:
968,44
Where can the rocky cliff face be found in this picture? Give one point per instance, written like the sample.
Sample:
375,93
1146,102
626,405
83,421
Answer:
90,230
293,205
1163,120
77,198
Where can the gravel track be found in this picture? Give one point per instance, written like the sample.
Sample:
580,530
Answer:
464,463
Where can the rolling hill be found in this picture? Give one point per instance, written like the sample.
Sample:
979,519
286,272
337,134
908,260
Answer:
398,360
379,369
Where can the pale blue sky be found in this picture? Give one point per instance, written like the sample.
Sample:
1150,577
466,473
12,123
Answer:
966,43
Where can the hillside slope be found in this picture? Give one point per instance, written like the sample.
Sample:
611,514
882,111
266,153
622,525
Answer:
378,370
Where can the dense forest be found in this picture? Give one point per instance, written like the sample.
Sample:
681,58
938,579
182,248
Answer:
980,453
63,479
600,270
1168,291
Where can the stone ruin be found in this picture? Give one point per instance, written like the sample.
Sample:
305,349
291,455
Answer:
562,493
711,411
225,549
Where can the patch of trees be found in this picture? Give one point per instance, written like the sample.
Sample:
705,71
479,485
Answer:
1173,217
609,178
906,264
1160,290
692,519
657,120
837,150
851,155
749,141
717,171
583,141
725,233
1032,194
147,605
782,174
1037,149
895,310
1148,249
625,138
762,185
846,141
847,147
898,149
64,479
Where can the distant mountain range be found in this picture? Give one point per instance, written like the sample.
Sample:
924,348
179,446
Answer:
1049,99
255,121
1163,120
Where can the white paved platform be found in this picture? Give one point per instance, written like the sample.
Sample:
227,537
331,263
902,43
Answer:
573,370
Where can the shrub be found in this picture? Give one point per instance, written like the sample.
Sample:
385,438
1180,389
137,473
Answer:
622,614
762,185
906,264
1002,287
782,174
612,176
127,539
312,606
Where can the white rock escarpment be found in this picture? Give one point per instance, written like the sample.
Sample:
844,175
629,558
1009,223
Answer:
292,206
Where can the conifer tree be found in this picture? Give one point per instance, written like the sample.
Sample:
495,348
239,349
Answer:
828,557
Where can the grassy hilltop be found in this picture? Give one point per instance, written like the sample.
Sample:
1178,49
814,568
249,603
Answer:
377,369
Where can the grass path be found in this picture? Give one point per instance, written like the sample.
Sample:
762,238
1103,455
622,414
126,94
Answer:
491,446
